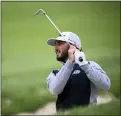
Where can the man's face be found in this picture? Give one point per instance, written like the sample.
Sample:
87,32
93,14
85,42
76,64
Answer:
61,49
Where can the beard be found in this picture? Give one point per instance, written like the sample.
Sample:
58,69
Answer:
64,55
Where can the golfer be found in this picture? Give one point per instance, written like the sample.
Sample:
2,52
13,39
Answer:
78,81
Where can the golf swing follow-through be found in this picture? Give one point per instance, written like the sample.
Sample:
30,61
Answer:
78,81
40,11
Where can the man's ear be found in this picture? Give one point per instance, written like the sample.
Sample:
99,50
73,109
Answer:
74,45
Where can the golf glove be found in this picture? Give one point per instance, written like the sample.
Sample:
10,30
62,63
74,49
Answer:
80,58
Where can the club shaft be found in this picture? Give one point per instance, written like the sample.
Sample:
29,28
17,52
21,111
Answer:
52,23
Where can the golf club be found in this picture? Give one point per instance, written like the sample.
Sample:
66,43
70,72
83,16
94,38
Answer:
42,11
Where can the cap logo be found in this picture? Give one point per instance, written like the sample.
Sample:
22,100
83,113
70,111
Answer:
61,35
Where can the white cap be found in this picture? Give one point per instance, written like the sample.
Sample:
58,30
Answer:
68,37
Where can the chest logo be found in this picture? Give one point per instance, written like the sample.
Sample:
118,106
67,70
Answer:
76,72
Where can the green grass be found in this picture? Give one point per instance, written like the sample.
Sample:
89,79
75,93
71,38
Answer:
27,59
112,108
26,91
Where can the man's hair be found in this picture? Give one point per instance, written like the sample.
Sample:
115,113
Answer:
81,50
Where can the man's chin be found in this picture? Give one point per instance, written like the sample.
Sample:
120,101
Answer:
58,58
62,59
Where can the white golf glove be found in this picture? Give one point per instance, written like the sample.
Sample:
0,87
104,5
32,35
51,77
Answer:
80,58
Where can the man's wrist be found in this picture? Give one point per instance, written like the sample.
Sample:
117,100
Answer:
71,58
69,64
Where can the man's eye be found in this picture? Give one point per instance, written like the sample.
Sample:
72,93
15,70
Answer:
60,43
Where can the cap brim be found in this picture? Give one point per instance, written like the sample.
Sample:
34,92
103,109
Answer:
52,41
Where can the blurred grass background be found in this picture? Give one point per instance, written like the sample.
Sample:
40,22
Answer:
27,59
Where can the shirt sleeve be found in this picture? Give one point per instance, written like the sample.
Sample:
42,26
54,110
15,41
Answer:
57,82
97,75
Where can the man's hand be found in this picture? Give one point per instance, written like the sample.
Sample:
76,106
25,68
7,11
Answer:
71,52
80,58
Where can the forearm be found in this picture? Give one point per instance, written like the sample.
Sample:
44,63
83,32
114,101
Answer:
58,83
97,76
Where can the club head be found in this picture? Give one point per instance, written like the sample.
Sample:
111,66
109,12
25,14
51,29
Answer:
38,12
42,11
